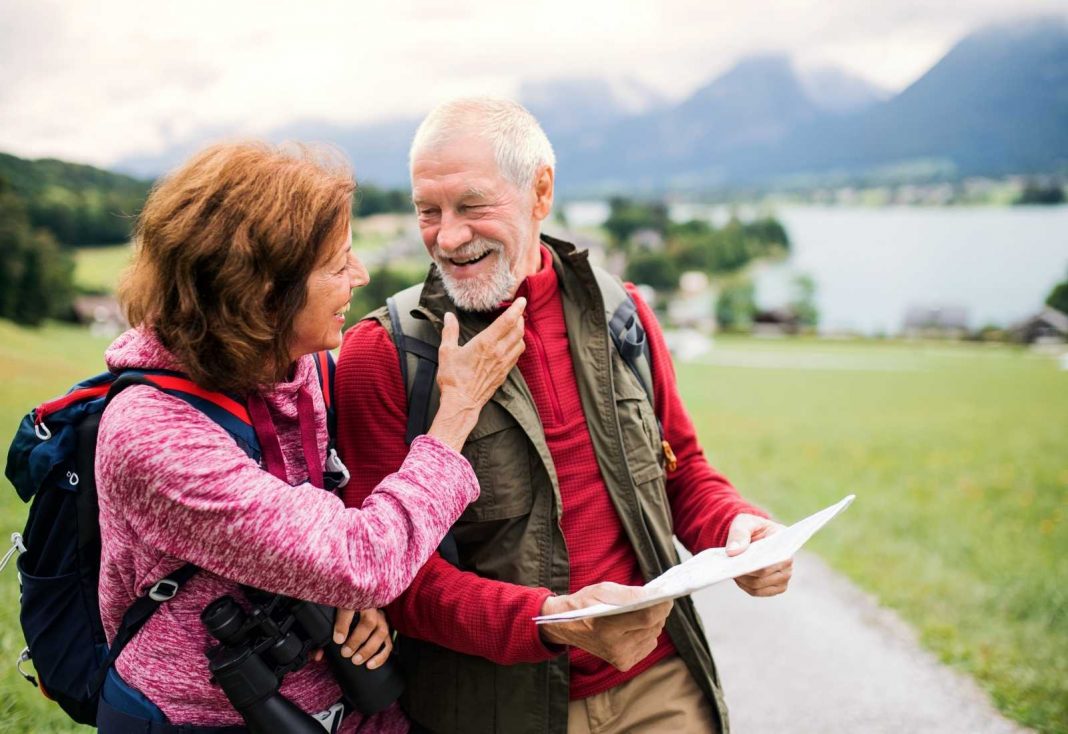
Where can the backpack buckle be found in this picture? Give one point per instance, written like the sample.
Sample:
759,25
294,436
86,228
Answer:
24,656
335,466
16,546
163,590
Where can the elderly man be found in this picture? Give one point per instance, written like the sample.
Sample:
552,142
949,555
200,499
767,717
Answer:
585,477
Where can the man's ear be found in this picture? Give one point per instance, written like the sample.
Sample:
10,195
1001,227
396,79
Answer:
543,192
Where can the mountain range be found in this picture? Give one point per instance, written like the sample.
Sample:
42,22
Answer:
995,104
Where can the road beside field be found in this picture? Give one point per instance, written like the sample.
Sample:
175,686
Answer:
825,658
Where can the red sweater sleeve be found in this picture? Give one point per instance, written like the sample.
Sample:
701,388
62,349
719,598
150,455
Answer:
456,609
703,501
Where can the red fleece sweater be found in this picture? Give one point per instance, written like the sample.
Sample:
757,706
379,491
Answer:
492,619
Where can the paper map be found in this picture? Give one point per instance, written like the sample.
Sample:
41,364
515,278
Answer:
712,566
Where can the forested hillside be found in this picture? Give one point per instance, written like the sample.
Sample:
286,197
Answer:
78,204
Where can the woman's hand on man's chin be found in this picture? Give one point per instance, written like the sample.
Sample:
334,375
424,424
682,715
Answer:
469,375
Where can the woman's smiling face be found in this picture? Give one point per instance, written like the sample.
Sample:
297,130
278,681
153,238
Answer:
318,324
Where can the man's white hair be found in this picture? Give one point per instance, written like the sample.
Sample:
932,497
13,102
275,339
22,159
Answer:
519,143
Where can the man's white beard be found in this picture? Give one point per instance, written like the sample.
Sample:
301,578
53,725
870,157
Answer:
478,294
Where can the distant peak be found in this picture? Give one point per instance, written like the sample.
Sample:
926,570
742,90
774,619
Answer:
836,90
624,95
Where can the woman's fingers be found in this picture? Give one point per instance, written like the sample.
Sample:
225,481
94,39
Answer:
511,316
342,623
360,633
507,326
450,334
368,639
468,375
372,645
382,655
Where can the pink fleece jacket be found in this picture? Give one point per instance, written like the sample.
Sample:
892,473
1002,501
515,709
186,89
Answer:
174,489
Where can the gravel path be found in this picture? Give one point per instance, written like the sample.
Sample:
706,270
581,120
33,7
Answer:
825,658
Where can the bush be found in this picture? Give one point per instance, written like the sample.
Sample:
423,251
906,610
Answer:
736,305
1037,193
654,269
1058,297
370,200
696,245
627,217
804,301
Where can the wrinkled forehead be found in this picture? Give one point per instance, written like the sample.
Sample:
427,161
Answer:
458,149
466,163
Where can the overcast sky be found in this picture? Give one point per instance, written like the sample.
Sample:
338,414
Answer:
96,81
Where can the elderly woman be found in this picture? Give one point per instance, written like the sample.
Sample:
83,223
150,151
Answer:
243,269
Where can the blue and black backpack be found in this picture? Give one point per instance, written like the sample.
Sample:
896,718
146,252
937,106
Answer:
51,464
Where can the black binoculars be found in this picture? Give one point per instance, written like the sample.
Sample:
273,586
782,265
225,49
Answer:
258,648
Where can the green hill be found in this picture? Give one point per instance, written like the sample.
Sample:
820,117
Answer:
78,204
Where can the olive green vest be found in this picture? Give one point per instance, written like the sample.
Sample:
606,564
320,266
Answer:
512,531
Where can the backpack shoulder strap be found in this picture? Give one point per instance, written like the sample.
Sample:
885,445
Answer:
626,330
335,473
632,343
417,349
230,414
227,410
324,370
137,615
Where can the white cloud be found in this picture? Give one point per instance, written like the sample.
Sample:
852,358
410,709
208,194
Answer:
97,81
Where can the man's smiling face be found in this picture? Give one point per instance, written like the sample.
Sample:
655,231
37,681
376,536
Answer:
479,228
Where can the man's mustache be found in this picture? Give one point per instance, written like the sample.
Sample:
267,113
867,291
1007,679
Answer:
473,249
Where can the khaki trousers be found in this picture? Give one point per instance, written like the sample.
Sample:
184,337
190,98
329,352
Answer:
664,698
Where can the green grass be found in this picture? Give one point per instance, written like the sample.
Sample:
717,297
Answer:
958,455
99,268
34,366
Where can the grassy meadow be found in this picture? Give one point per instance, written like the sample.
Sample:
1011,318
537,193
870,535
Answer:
98,268
35,365
958,455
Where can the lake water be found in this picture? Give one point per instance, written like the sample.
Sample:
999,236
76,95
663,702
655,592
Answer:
871,265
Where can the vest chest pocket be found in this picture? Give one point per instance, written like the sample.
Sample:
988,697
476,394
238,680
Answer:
645,458
499,452
640,436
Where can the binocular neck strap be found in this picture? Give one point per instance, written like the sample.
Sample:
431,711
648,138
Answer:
270,447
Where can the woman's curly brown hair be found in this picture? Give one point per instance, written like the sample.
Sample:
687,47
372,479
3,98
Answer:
223,251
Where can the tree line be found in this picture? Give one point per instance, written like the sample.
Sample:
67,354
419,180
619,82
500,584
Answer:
47,207
659,251
80,205
36,273
86,206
